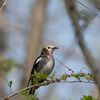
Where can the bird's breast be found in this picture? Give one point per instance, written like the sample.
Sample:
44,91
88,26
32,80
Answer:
48,67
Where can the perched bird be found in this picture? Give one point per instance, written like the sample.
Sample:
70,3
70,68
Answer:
43,64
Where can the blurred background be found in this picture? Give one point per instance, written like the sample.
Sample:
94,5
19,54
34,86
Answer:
27,25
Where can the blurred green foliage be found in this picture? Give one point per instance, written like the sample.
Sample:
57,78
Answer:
52,76
24,92
64,76
88,98
7,64
30,97
89,76
33,98
37,77
85,12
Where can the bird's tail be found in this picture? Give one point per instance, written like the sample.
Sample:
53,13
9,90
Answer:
32,91
28,82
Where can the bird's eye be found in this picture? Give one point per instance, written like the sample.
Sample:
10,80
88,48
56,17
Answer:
48,47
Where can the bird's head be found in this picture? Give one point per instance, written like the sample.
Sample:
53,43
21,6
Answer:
48,50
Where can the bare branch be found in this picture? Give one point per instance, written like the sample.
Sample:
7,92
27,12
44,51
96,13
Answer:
65,66
96,3
87,69
87,22
91,17
5,1
57,80
70,6
82,4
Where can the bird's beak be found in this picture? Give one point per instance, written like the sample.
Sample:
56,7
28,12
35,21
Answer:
55,48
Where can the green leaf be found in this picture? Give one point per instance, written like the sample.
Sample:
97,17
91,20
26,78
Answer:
88,98
10,83
84,12
33,98
90,76
52,76
64,76
76,75
38,76
24,92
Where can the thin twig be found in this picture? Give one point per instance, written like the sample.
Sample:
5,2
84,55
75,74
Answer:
91,17
65,66
5,1
82,4
87,22
86,69
2,76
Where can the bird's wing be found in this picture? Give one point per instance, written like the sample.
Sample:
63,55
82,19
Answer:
39,63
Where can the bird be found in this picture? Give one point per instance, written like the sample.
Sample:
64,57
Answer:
43,64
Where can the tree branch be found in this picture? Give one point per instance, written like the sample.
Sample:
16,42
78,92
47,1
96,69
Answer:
87,22
47,82
5,1
82,4
70,7
96,3
65,66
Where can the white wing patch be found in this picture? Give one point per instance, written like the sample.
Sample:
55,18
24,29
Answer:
38,60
